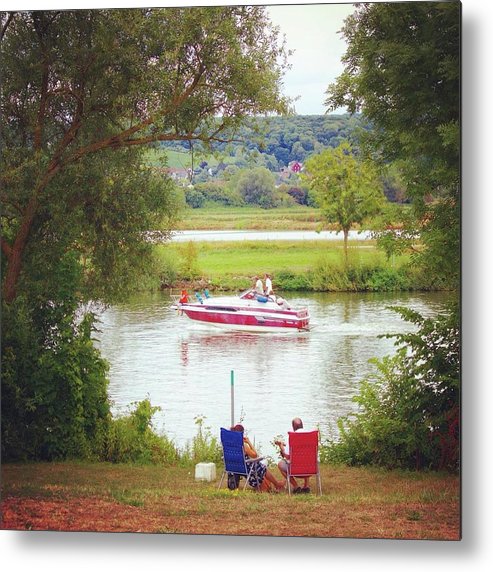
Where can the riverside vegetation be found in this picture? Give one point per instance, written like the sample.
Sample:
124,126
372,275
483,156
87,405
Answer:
312,265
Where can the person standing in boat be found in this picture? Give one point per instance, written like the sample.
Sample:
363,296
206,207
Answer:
268,285
259,287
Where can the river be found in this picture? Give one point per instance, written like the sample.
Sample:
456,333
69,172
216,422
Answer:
265,235
185,367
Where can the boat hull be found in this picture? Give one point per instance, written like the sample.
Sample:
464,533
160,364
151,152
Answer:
248,319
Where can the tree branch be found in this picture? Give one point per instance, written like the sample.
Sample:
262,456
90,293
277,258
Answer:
6,248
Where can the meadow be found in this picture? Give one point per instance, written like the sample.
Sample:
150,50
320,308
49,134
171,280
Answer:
252,218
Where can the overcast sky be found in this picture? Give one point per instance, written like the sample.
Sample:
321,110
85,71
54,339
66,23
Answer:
312,32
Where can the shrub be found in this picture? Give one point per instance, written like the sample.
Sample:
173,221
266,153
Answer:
408,413
204,447
168,268
194,198
288,280
54,381
131,439
328,276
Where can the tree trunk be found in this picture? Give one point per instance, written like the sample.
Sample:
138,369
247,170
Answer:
14,258
346,235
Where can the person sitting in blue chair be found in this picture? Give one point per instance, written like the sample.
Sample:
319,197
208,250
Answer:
261,477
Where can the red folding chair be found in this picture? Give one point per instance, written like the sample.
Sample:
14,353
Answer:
303,457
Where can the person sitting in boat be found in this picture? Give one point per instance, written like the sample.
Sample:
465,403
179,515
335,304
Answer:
282,303
260,476
268,285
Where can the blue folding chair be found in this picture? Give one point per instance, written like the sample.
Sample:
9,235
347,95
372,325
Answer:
234,456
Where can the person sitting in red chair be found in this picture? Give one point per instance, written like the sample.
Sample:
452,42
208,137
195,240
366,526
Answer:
297,424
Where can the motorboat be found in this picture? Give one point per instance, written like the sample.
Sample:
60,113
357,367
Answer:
249,311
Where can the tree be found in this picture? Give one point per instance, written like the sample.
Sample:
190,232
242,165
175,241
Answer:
402,73
347,189
83,95
76,84
257,187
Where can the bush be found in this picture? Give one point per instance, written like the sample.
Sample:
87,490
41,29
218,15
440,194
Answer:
387,280
328,276
131,439
54,381
168,268
409,408
287,280
194,198
204,447
219,194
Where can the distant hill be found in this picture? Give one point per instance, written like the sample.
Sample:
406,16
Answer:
272,142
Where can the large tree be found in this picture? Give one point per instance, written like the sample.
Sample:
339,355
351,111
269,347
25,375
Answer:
81,84
83,94
402,72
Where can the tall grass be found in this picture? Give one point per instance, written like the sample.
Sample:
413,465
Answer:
131,438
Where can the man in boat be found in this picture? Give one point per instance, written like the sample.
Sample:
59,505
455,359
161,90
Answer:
259,287
297,424
268,285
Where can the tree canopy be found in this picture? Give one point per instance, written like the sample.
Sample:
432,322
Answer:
77,84
84,93
402,72
348,190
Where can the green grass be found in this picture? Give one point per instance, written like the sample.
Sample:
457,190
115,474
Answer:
247,258
252,218
356,502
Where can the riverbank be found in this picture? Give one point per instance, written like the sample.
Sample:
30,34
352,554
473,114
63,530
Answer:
356,503
302,265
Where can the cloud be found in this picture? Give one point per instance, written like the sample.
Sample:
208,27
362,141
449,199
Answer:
312,31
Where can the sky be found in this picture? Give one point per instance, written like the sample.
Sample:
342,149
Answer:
311,30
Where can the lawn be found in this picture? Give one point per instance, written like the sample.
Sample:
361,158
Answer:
356,503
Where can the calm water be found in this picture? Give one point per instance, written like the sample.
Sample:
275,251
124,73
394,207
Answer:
184,367
222,235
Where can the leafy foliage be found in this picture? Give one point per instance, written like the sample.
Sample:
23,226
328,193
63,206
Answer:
54,382
257,187
81,84
132,439
409,408
347,189
83,93
402,73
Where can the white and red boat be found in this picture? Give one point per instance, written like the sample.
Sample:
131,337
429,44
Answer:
248,311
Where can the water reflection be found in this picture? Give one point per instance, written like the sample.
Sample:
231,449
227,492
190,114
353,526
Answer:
184,367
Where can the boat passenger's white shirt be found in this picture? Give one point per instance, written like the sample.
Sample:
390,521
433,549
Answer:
268,286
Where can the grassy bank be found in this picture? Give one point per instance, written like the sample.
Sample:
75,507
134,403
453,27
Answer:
295,265
356,502
251,218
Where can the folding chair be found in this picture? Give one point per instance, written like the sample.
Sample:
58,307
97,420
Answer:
303,457
234,456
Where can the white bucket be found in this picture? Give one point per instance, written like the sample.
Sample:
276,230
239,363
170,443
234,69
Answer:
205,472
